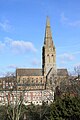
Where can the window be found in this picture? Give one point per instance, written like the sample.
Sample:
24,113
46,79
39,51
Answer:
36,80
41,80
19,79
28,80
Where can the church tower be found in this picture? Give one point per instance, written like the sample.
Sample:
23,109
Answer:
48,51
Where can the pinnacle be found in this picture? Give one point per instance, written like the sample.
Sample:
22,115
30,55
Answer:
47,22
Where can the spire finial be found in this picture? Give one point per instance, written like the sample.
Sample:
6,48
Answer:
48,21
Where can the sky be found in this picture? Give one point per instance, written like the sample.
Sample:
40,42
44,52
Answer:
22,29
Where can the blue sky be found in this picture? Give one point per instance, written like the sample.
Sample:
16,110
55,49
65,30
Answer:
22,28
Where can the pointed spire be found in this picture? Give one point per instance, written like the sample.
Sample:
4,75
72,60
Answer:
48,22
48,34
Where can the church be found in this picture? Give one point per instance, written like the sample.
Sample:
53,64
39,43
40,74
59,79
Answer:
38,84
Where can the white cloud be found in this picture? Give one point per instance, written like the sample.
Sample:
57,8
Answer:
2,45
63,18
69,46
6,26
66,57
12,66
17,46
2,74
35,62
63,62
77,64
67,21
75,23
76,52
24,46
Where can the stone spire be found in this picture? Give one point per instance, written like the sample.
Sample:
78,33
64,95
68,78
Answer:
48,35
48,51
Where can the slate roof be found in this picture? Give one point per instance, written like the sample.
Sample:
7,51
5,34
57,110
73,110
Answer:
38,72
29,72
62,72
9,78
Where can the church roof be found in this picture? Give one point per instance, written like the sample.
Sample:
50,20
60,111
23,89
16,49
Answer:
29,72
38,72
62,72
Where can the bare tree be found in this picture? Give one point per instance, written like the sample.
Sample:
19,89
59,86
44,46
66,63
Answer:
12,98
77,70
